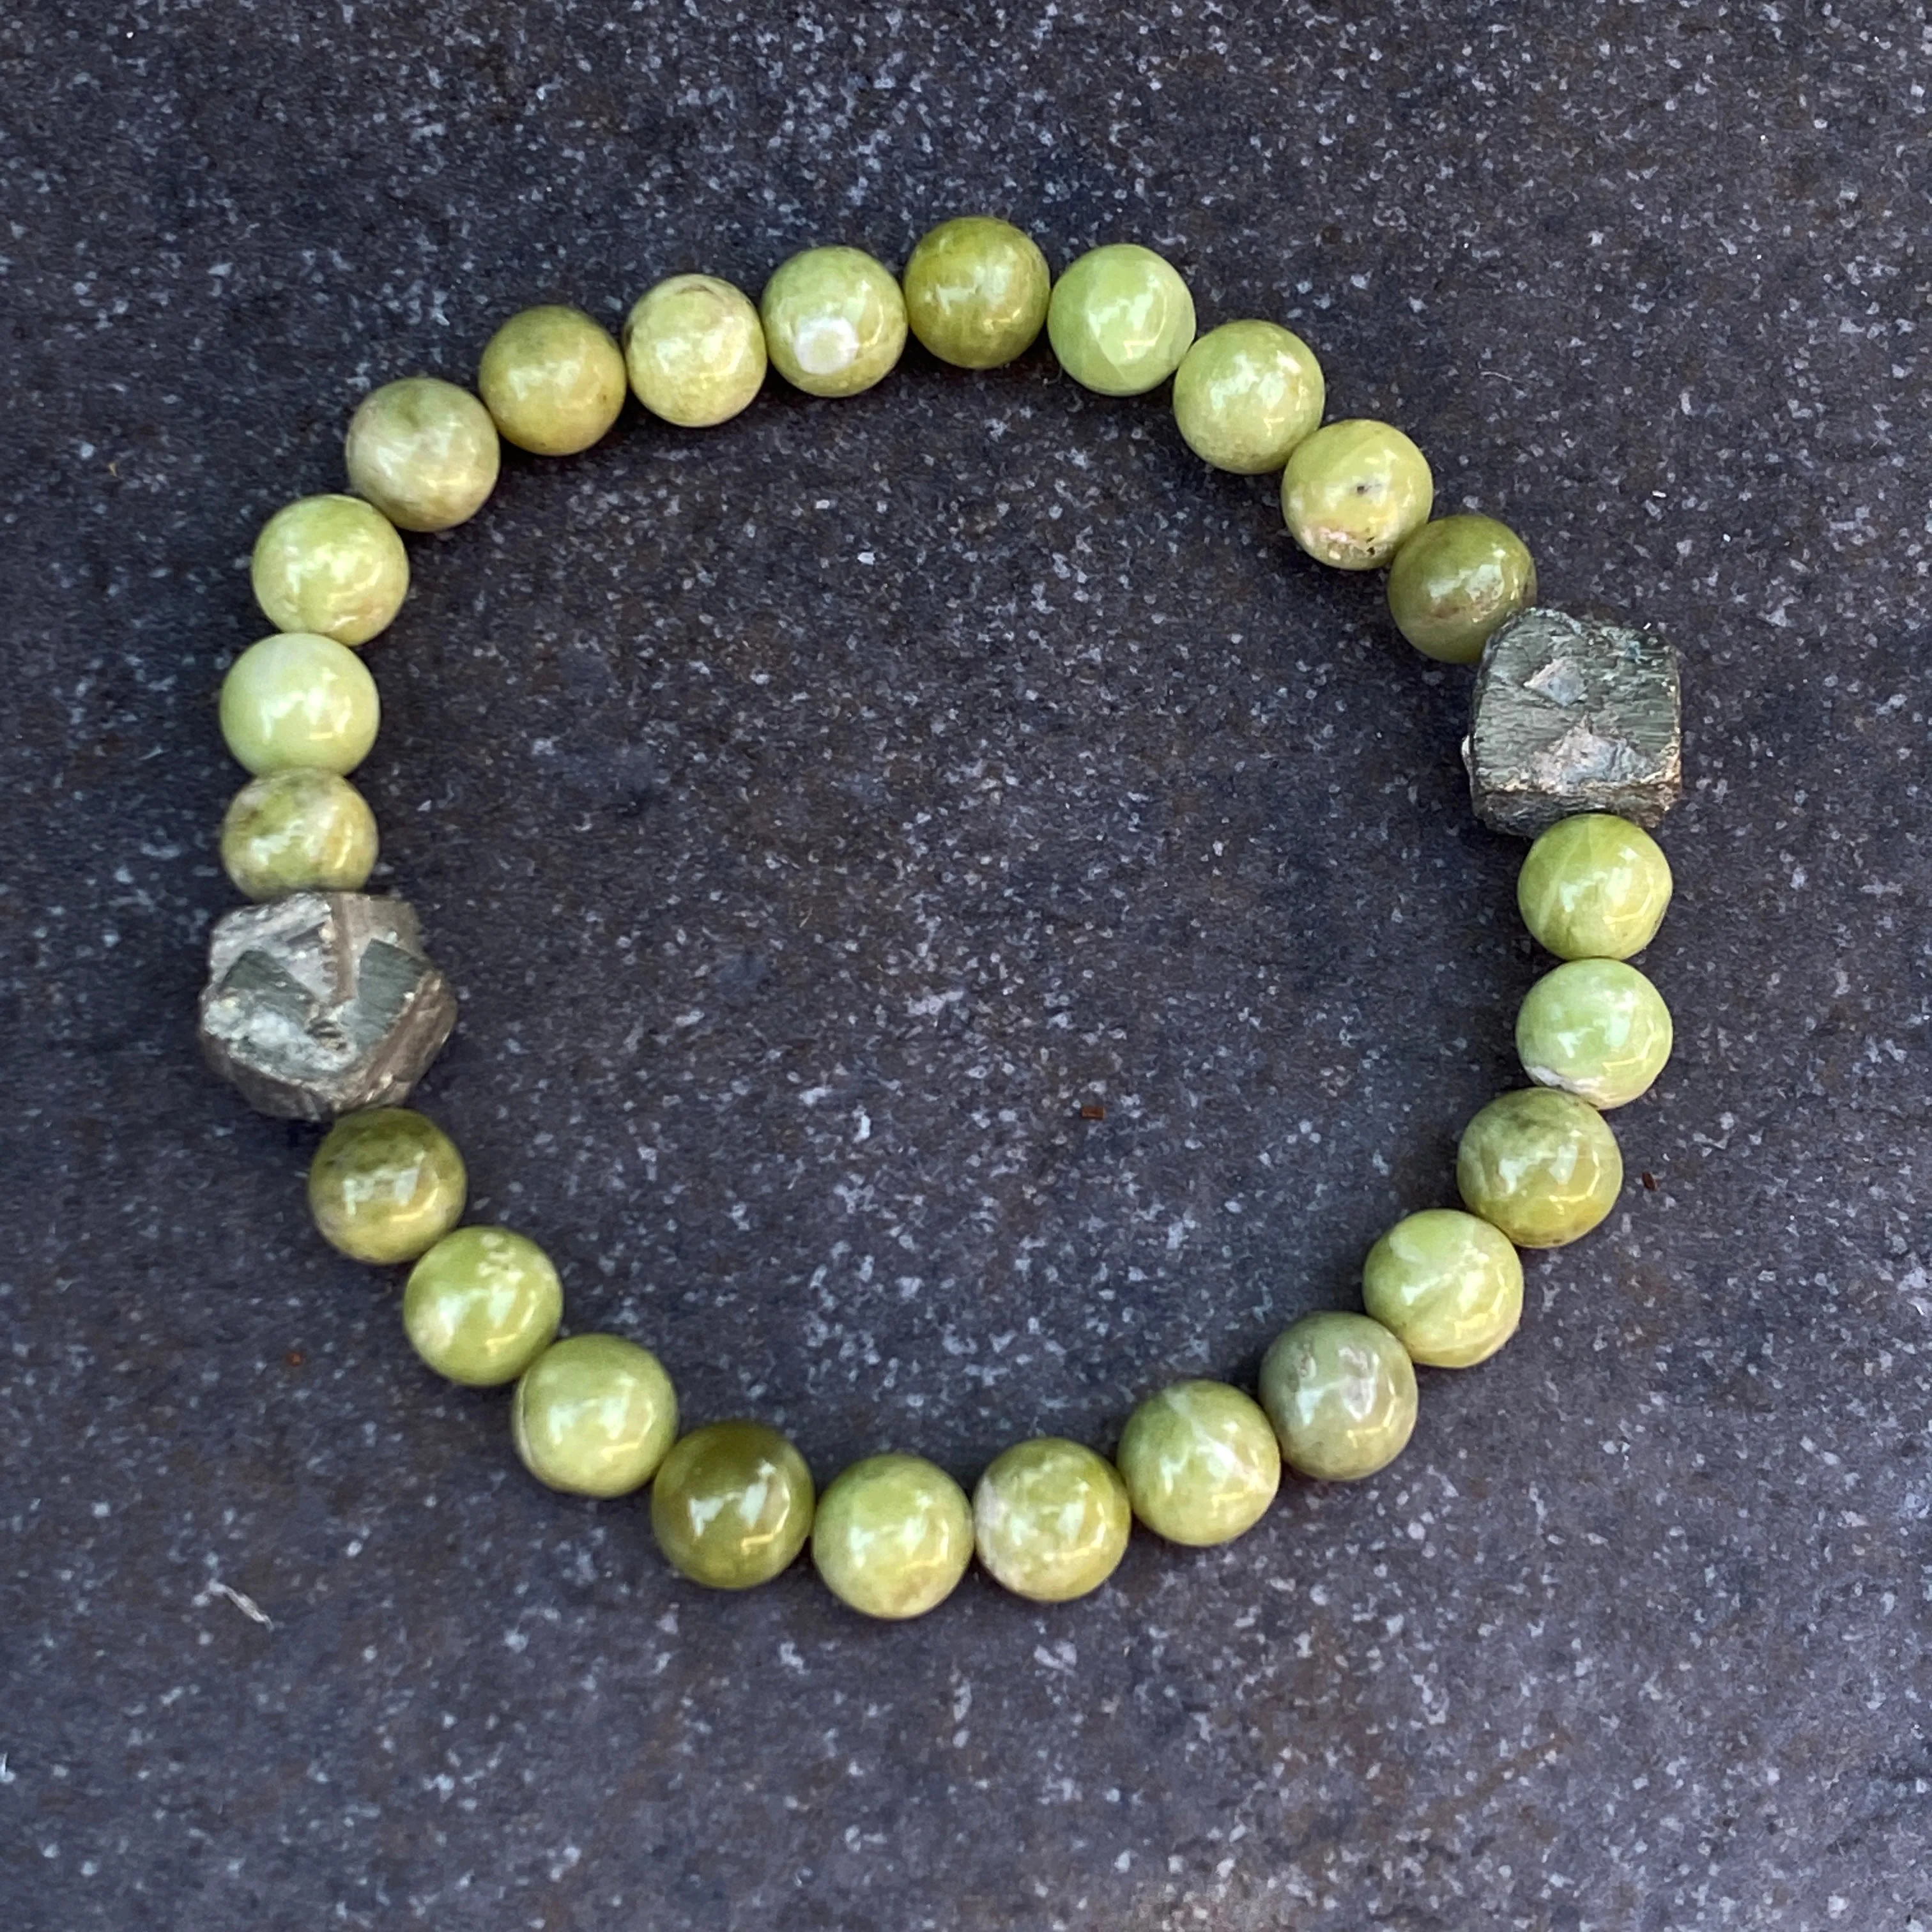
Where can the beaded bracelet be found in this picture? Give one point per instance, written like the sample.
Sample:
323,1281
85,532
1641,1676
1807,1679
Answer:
322,1004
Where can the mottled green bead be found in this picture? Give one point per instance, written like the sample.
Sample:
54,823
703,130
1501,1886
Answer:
1246,395
298,699
732,1504
892,1536
1596,1028
594,1415
1340,1390
1200,1461
424,451
695,349
834,321
975,292
1446,1285
1594,887
301,830
1354,492
1121,320
1542,1165
333,566
1455,581
1051,1519
386,1185
552,379
481,1305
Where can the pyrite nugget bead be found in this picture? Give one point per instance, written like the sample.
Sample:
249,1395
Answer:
296,831
481,1305
1051,1520
732,1504
386,1185
298,699
1246,395
892,1536
333,566
552,379
1119,319
1340,1390
834,321
1594,887
1201,1462
1596,1028
1455,581
594,1415
1446,1285
975,292
1543,1166
695,349
1354,492
424,451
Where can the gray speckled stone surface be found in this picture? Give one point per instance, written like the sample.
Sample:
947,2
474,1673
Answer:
812,816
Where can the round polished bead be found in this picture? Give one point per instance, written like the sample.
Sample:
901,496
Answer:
1447,1286
1121,320
552,379
1340,1390
1542,1165
975,292
892,1536
386,1185
1051,1519
1593,887
1200,1461
1596,1028
299,830
695,349
298,699
1246,395
481,1305
333,566
424,451
594,1415
1354,492
732,1504
834,321
1455,581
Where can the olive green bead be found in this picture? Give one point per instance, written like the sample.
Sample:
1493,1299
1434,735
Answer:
386,1185
1201,1462
892,1536
424,452
1051,1520
732,1504
1121,320
695,349
299,830
594,1415
1594,887
1596,1028
299,699
834,321
1446,1285
552,379
1543,1166
481,1305
333,566
975,292
1246,395
1340,1390
1354,492
1455,581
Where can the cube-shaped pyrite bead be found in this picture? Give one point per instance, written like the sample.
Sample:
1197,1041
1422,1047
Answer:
323,1003
1572,715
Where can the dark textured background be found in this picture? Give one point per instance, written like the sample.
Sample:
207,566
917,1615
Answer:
813,814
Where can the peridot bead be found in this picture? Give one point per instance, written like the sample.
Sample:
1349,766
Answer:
594,1415
299,830
424,451
976,291
1354,491
1447,1286
386,1185
330,566
481,1305
1201,1462
1246,394
1051,1520
299,699
1542,1165
1596,1028
834,321
892,1536
1121,320
732,1504
1340,1390
552,379
1455,581
1593,887
695,349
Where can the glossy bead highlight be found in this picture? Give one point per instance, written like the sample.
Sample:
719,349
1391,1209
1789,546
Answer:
481,1305
299,699
1355,492
552,379
1455,581
1596,1028
333,566
1201,1462
1543,1166
695,350
892,1536
423,451
1246,394
1446,1285
300,829
732,1505
1340,1390
1051,1520
386,1185
594,1415
1121,320
975,292
1594,887
834,321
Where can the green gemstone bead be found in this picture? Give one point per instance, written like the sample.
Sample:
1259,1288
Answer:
975,292
834,321
1340,1390
424,451
386,1185
298,699
1246,395
1455,581
1121,320
732,1504
594,1415
552,379
1051,1520
1447,1286
1354,492
695,349
482,1305
332,565
1593,887
892,1536
1542,1165
300,830
1200,1461
1596,1028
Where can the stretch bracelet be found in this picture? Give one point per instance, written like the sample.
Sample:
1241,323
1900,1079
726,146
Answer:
322,1004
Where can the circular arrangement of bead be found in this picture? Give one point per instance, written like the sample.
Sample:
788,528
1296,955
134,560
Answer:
322,1004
